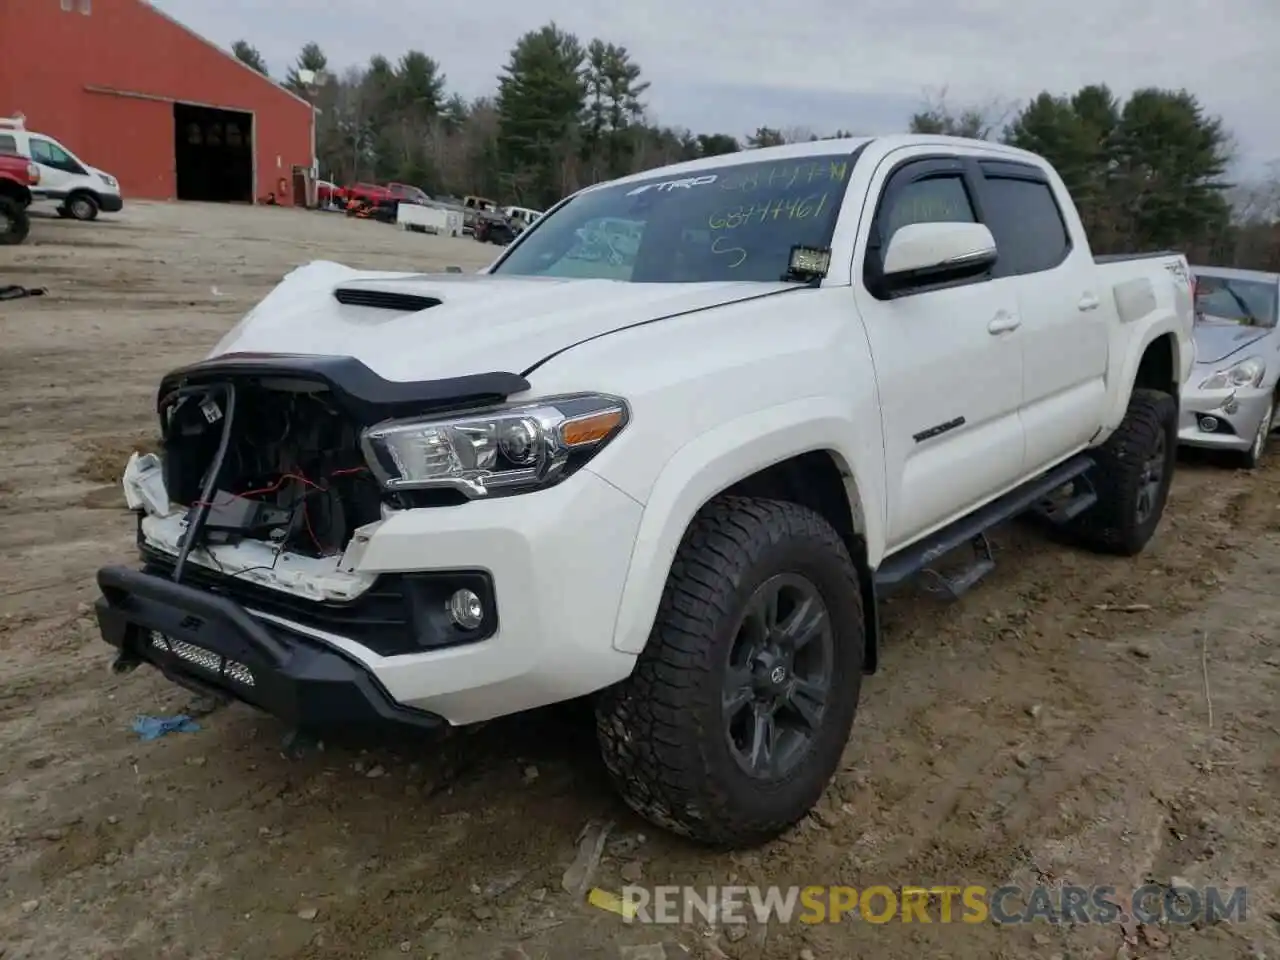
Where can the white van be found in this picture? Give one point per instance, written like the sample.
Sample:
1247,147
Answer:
79,189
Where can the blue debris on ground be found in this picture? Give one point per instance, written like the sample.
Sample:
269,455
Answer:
151,728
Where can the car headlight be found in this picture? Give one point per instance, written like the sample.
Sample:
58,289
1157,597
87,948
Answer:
1246,373
110,181
509,448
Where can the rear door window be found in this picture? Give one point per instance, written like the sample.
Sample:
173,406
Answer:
1024,217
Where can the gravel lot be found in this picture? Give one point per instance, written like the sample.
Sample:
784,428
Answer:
1054,724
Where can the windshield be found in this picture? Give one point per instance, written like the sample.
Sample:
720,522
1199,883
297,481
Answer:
1251,303
728,223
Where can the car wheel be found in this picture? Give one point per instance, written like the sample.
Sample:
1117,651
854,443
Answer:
1257,450
14,222
737,712
81,206
1133,471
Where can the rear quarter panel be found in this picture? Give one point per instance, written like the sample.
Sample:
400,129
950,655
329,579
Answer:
1151,298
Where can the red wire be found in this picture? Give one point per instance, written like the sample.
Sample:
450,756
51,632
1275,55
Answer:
280,483
306,520
306,517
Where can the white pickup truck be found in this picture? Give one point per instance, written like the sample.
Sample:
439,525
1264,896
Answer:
673,475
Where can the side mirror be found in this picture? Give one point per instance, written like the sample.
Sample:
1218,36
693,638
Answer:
922,253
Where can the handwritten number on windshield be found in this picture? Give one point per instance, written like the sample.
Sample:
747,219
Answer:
717,248
785,176
792,208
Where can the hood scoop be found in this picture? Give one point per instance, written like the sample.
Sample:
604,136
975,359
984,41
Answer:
384,299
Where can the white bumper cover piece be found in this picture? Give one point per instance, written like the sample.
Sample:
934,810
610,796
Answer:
558,558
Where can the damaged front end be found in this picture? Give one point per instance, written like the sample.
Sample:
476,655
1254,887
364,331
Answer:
263,468
269,472
252,523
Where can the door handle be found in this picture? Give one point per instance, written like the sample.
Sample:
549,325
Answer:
1003,323
1088,302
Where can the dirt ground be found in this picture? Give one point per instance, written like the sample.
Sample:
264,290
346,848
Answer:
1053,725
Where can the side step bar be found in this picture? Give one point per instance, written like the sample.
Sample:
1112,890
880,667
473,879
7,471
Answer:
1034,495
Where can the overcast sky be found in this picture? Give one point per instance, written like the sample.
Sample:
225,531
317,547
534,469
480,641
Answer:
863,65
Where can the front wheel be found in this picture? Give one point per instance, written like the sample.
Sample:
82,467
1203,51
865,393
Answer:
736,715
81,206
14,222
1132,477
1257,450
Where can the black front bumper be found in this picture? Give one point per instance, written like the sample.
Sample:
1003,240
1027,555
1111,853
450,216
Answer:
110,203
211,644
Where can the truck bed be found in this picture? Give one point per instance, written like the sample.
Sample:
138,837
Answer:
1120,257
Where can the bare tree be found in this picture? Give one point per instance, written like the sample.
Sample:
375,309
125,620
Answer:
981,121
1259,201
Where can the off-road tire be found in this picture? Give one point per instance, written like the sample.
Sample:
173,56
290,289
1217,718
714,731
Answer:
82,206
1112,525
14,219
661,729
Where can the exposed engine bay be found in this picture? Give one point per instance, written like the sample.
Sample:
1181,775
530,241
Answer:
292,474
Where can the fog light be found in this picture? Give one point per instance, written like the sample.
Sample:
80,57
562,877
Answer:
1207,424
466,609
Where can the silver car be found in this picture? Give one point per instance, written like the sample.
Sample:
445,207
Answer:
1229,403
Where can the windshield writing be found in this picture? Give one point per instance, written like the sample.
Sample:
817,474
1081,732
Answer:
732,223
1249,302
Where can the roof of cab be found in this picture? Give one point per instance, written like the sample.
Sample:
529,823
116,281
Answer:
817,148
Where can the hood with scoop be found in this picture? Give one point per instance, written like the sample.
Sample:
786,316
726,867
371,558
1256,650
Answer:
407,326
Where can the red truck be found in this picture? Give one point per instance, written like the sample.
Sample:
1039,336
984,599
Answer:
17,176
375,193
370,193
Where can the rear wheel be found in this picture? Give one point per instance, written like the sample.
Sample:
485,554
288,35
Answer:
14,222
739,708
1132,477
82,206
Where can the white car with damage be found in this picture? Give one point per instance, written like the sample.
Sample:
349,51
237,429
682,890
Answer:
674,480
1229,403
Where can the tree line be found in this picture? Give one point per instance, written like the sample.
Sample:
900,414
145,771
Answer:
1149,171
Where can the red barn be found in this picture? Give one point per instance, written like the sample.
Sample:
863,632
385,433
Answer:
135,93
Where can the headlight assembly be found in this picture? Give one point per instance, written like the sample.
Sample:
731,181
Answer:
509,448
1246,373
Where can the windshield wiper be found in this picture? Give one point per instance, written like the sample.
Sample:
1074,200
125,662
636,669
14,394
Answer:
1248,317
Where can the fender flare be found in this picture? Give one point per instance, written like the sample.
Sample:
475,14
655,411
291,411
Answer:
719,458
1128,373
